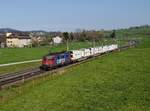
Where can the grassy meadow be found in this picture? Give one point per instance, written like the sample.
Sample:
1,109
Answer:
116,82
9,55
22,54
18,67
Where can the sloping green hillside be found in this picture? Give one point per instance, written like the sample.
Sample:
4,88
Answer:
115,82
134,32
9,55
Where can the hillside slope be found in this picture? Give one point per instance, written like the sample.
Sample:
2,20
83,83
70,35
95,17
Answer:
118,81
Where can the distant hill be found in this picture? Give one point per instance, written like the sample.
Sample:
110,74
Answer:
4,30
37,31
137,31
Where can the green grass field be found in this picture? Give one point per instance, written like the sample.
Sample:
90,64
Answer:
23,54
19,67
9,55
115,82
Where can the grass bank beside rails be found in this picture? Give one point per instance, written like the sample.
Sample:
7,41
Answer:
9,55
115,82
19,67
20,54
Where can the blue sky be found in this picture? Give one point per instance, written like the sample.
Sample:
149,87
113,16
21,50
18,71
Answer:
69,15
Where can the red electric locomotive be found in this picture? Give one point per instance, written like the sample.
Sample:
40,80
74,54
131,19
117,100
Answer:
51,61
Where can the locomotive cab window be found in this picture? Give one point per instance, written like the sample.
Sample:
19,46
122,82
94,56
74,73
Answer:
67,56
58,57
62,56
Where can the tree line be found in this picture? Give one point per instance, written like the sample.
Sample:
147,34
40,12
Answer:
78,36
88,35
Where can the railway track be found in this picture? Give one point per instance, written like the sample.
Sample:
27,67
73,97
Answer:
13,78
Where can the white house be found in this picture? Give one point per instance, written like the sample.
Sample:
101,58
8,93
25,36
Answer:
57,40
18,41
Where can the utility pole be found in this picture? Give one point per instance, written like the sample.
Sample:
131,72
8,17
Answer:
93,41
66,37
94,45
67,45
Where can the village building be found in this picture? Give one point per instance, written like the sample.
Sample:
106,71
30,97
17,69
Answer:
57,40
14,40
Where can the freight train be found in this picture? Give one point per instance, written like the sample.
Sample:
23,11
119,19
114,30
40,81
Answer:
55,60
